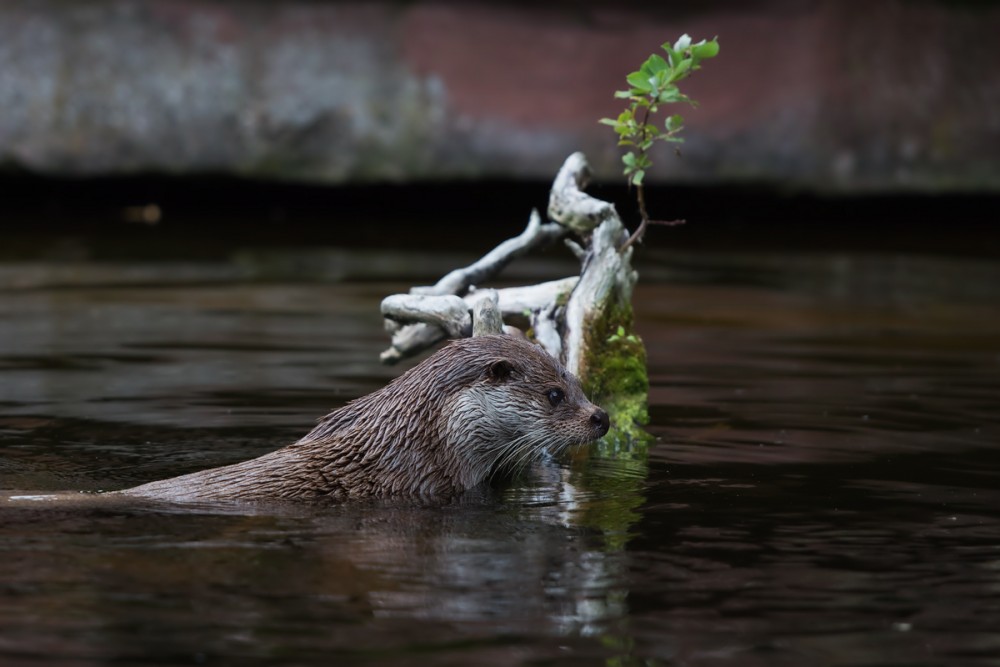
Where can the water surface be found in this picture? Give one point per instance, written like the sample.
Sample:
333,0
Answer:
823,487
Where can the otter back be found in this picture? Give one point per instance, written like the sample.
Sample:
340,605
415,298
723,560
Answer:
477,407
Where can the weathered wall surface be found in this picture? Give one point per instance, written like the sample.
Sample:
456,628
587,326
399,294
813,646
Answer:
817,93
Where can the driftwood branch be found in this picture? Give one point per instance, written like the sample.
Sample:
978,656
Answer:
607,279
410,340
569,205
416,321
486,318
545,324
515,301
559,312
535,235
448,312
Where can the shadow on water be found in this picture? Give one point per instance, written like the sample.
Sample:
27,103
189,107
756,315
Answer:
822,488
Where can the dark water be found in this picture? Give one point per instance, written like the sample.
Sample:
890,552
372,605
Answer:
824,487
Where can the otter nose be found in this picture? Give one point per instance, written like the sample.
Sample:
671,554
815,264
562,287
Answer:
600,421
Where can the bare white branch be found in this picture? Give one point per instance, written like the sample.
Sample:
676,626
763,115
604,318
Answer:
411,340
607,278
514,301
535,235
545,323
486,319
449,312
569,205
559,311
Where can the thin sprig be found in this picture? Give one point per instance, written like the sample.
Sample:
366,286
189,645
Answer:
653,85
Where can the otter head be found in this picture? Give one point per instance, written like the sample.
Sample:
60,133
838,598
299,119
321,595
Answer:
519,406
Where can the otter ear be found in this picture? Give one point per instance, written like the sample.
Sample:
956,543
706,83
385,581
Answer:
500,370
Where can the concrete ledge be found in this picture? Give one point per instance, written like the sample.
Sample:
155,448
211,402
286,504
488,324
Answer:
901,95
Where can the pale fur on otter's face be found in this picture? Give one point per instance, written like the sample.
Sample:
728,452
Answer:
527,408
477,407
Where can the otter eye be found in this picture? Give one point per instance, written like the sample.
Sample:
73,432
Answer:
556,396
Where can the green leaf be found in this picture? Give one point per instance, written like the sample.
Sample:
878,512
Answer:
682,70
639,81
670,94
654,65
661,79
703,49
673,57
625,122
651,86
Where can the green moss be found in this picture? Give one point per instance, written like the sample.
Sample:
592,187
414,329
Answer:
615,377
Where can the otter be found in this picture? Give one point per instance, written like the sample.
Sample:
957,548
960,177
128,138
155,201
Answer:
477,408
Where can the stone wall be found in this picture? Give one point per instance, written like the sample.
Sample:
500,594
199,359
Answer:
841,96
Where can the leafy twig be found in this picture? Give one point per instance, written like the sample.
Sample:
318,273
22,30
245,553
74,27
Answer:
652,85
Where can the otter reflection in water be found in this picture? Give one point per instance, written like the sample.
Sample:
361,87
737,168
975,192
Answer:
478,407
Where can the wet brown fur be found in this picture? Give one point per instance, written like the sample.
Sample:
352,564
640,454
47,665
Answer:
477,407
